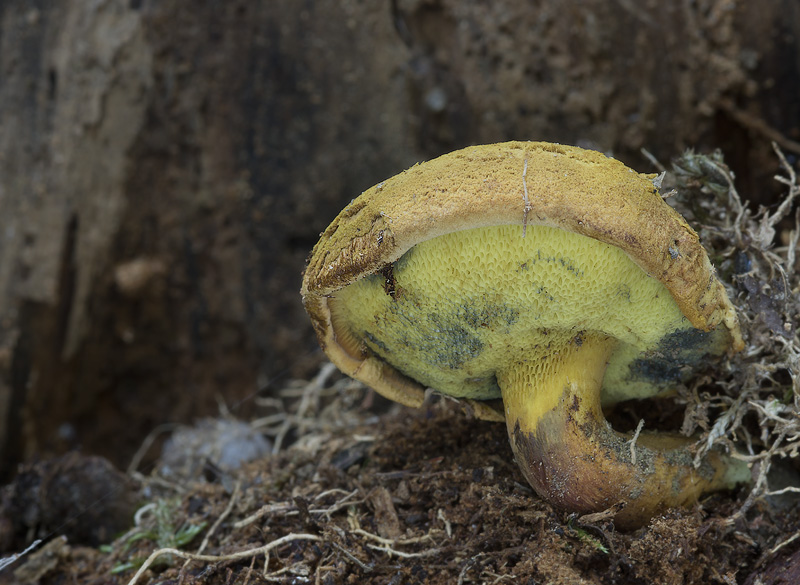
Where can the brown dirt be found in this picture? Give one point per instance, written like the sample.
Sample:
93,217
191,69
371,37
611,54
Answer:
418,496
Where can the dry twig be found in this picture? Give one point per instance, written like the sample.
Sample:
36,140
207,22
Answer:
244,554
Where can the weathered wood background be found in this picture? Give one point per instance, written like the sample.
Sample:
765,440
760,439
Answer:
165,166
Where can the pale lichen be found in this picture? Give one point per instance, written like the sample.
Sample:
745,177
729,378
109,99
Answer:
757,390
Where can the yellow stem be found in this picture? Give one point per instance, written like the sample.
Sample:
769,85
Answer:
575,460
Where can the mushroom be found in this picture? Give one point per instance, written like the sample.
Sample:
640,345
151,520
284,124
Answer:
548,276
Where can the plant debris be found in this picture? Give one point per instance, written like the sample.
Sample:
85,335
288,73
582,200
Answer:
757,392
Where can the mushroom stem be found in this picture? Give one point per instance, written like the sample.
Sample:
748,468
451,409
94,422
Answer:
574,459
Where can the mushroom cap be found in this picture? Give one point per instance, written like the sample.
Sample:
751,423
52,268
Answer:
577,190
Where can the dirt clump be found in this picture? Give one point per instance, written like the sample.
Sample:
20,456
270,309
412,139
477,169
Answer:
426,496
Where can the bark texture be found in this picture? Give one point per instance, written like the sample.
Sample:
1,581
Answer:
166,166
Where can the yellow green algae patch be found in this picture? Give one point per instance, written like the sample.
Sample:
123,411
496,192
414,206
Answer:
459,310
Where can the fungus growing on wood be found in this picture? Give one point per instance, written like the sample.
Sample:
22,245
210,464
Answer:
550,277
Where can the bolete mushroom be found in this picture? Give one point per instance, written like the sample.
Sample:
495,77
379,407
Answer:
548,276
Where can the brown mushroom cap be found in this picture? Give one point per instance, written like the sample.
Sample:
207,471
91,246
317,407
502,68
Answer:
581,191
531,184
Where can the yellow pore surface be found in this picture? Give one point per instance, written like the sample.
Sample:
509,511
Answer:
461,310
